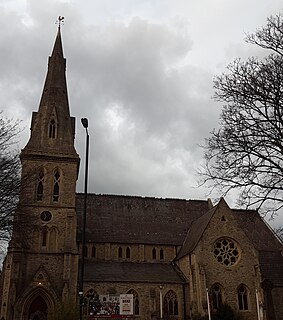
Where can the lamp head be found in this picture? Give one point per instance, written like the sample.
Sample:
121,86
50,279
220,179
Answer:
84,122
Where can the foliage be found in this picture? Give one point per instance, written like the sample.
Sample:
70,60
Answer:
67,311
246,152
9,175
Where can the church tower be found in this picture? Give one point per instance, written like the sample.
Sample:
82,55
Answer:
40,269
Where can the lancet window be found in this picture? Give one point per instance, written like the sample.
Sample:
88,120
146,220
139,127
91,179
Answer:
243,297
120,252
153,253
52,129
128,253
216,296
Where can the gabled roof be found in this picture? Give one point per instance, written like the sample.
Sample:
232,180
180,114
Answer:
195,232
271,266
257,230
128,219
109,271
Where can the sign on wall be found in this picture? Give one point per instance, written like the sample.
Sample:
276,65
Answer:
108,306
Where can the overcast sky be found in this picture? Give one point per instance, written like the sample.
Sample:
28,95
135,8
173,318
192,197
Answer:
141,71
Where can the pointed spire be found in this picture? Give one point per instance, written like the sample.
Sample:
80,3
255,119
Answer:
52,129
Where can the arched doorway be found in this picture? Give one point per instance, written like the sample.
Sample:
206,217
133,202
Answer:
38,309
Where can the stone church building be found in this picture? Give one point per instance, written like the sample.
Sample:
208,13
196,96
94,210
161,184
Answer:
176,258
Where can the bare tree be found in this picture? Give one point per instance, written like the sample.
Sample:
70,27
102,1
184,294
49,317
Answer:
246,152
9,175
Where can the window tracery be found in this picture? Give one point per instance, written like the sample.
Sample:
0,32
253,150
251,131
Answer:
226,252
170,304
56,186
136,304
40,180
243,297
216,296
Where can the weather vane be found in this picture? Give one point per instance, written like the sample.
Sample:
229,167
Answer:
60,21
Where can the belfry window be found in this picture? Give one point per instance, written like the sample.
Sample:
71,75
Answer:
56,186
52,129
39,191
243,298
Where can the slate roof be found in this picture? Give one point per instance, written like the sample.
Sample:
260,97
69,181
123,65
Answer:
271,266
257,230
195,232
129,219
106,271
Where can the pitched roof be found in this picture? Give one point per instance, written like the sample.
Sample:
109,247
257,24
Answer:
257,230
129,219
195,232
109,271
271,266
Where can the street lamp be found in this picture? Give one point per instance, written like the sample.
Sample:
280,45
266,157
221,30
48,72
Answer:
161,301
81,286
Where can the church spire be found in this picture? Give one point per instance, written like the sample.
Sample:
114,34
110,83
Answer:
52,128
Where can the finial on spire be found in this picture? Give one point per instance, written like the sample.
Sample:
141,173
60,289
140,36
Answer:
60,21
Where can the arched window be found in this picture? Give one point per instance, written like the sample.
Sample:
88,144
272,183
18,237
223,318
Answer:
91,303
56,186
136,303
39,191
153,253
93,252
216,296
161,254
85,251
52,129
120,252
44,237
243,297
170,304
128,253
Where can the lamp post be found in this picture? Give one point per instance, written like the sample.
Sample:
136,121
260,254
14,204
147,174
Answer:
81,285
161,301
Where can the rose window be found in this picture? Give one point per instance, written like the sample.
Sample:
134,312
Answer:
226,252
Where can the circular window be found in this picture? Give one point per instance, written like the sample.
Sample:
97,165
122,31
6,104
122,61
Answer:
226,252
45,216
